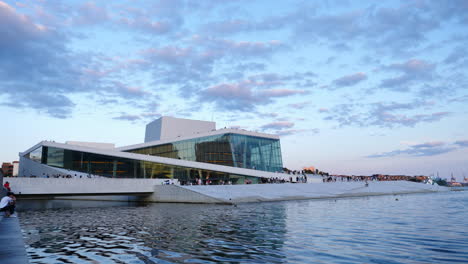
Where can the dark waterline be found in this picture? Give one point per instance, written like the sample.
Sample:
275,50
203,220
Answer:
423,228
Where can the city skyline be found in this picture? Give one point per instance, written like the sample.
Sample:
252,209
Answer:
350,87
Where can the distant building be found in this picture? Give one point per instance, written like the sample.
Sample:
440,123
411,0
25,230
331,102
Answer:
10,169
174,148
15,168
310,168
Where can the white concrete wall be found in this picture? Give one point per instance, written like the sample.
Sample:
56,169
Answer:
47,186
168,127
176,194
213,193
153,130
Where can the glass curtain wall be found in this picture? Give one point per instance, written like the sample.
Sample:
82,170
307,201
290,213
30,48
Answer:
116,167
228,149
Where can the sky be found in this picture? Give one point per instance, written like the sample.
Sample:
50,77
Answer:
351,87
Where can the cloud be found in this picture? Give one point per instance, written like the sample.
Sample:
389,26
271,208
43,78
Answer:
411,70
192,65
43,51
179,65
228,26
35,66
277,125
57,105
333,27
299,105
424,149
289,132
156,18
393,30
242,96
231,96
400,28
284,128
413,67
267,115
387,119
463,98
241,25
89,14
323,110
255,90
350,80
146,25
396,29
281,92
126,91
127,117
462,143
244,49
452,10
458,54
381,114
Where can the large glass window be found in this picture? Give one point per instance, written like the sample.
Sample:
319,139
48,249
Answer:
35,155
228,149
115,167
55,157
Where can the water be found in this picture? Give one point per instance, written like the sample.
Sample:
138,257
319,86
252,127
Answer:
419,228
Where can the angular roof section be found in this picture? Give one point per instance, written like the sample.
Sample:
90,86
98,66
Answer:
199,135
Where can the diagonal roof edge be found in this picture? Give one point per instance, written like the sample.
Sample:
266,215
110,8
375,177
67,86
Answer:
198,135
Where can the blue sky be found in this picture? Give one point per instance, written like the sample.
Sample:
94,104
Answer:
356,87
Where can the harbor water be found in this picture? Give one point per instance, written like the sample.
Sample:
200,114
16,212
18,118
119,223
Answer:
416,228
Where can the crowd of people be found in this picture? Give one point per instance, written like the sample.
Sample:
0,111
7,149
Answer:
66,176
342,178
345,178
208,181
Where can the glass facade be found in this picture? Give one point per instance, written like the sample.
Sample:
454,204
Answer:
227,149
116,167
35,155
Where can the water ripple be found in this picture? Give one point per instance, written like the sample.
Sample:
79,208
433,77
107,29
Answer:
423,228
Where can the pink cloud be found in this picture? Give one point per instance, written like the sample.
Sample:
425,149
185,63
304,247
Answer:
350,80
281,92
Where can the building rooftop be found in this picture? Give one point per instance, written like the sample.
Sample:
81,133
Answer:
198,135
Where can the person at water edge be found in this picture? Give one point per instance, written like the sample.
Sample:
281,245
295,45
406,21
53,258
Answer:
7,186
7,204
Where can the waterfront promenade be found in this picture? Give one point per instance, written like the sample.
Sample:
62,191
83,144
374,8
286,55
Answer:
12,249
155,190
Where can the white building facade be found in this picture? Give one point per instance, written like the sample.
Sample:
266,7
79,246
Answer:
188,151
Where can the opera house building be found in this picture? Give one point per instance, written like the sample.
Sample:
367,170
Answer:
187,151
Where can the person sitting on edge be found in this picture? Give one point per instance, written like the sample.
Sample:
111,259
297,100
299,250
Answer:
7,204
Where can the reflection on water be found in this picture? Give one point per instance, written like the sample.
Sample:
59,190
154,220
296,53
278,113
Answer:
429,228
175,232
